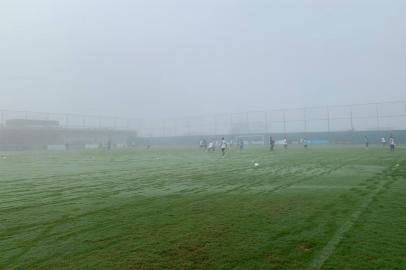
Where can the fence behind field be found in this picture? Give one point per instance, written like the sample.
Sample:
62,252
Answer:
355,117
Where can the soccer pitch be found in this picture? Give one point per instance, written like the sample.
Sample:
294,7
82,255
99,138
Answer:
182,208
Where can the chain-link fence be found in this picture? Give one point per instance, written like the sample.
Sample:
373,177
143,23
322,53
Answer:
356,117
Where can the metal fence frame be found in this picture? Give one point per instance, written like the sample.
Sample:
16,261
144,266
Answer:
269,121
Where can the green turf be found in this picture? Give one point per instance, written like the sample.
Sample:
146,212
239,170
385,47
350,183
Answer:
325,208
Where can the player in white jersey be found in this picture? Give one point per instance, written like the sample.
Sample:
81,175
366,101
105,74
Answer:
223,146
383,141
285,143
392,144
203,144
210,147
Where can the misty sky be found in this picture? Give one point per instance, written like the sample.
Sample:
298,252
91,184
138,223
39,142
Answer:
169,58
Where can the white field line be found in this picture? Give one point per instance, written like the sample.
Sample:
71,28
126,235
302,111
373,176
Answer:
330,247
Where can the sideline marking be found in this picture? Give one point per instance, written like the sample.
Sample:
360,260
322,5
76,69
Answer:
329,248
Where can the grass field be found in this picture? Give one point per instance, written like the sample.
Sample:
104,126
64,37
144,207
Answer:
325,208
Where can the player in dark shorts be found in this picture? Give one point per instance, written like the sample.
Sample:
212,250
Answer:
392,144
203,144
241,144
223,146
366,142
271,143
305,143
285,143
109,145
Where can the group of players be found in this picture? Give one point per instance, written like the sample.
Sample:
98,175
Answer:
212,145
383,142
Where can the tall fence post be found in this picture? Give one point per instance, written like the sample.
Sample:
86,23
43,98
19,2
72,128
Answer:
284,123
188,127
215,125
66,121
328,119
201,125
266,122
175,127
351,119
377,117
269,117
305,119
230,130
247,119
115,123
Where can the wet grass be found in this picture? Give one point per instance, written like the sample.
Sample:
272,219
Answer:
325,208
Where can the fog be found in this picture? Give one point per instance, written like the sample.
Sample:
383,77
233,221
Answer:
158,58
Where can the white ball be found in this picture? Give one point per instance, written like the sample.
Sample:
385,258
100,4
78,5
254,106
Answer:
256,164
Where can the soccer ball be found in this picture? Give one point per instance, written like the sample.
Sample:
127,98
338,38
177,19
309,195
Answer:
256,164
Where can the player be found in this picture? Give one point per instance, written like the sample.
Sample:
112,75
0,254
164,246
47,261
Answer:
392,143
285,143
223,146
271,143
366,142
305,143
241,144
210,148
203,144
109,145
383,141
